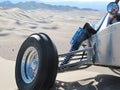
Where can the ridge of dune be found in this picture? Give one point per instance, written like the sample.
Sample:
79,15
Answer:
17,24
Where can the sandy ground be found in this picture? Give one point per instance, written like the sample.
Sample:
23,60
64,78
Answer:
75,80
7,76
16,25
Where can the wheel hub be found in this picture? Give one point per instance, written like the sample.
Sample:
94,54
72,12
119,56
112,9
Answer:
34,65
30,65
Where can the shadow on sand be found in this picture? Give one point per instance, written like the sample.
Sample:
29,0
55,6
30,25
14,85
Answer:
100,82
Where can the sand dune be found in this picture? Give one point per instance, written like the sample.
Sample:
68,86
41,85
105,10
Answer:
16,25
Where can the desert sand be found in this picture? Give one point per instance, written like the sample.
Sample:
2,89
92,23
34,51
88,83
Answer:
16,25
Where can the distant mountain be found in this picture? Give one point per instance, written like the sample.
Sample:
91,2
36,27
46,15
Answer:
35,5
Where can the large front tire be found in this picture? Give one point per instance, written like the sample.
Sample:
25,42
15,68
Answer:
36,64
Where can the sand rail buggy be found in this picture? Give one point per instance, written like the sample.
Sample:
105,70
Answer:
38,61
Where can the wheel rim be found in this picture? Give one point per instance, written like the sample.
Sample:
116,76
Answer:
29,65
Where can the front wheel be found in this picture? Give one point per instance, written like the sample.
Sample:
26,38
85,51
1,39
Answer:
36,64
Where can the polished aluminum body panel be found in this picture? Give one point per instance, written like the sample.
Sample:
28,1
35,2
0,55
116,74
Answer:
106,45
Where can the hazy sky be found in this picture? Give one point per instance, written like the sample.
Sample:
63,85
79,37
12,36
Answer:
56,0
74,0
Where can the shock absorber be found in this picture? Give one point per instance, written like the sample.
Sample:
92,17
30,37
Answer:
80,35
